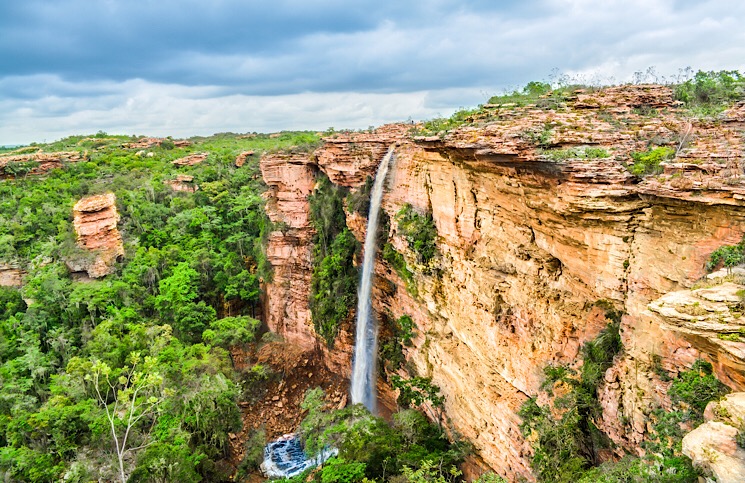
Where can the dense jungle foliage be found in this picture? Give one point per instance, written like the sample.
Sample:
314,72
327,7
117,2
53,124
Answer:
128,376
335,278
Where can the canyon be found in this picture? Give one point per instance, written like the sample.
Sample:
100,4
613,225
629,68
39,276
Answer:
536,241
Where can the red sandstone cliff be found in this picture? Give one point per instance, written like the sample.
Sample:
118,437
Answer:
529,244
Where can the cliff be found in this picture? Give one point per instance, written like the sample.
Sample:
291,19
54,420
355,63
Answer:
539,225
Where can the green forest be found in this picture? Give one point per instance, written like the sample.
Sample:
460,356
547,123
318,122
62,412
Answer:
129,375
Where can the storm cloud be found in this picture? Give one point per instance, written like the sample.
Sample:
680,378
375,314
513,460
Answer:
195,67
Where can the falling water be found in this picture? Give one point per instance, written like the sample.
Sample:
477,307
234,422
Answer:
363,368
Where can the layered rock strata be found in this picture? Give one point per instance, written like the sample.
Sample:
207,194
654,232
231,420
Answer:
10,275
535,240
14,165
183,182
190,160
291,179
95,221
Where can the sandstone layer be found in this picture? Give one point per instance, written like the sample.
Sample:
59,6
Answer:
95,221
713,446
147,143
190,160
291,179
14,165
10,275
532,243
240,160
183,182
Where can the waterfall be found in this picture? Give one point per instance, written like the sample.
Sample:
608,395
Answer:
366,339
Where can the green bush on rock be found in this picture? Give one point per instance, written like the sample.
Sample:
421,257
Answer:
334,279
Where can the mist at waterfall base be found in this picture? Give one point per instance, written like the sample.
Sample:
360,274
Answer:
366,338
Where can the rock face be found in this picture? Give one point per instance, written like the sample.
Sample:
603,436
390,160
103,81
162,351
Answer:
713,446
183,182
349,158
291,179
95,222
190,160
147,143
10,275
531,244
240,160
14,165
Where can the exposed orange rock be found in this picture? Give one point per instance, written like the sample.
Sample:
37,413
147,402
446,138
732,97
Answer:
39,162
190,160
291,178
528,245
10,275
95,222
183,182
240,160
348,158
147,143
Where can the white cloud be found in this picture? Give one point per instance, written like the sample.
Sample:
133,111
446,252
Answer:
157,109
329,63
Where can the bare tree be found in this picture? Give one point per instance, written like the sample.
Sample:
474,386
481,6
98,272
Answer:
130,398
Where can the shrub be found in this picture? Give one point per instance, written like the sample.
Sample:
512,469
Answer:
576,153
19,168
711,92
383,449
442,125
567,447
539,93
728,255
429,472
416,391
334,278
490,477
419,231
334,286
338,470
697,387
648,162
398,263
394,335
541,138
359,201
230,331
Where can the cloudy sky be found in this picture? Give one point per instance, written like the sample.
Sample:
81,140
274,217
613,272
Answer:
185,67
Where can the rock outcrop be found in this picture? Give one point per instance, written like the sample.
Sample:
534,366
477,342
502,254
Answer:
147,143
183,182
10,275
190,160
714,446
95,222
240,160
14,165
533,238
291,178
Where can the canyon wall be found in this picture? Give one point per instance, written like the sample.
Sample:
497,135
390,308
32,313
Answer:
533,247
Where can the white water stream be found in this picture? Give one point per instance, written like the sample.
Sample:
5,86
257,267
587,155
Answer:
366,339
